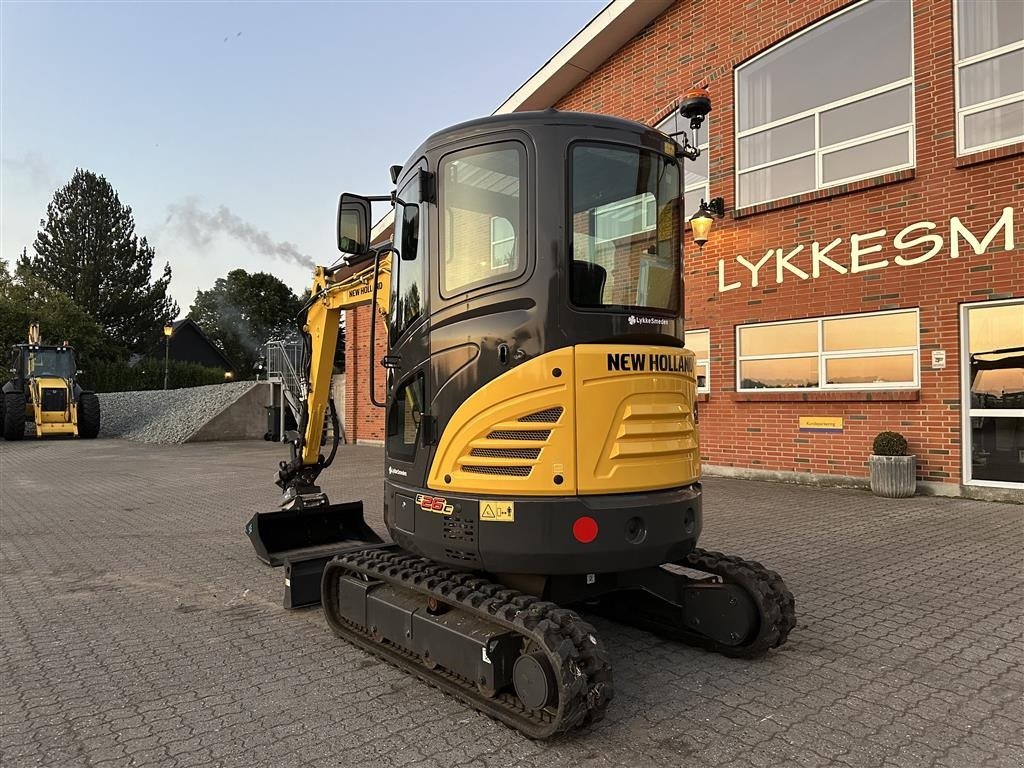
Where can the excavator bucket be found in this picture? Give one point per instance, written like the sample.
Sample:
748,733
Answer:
291,535
305,540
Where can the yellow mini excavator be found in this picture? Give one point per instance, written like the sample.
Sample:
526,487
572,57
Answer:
44,391
541,449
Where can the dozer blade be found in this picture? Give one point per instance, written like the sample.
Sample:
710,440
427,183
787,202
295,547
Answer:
293,535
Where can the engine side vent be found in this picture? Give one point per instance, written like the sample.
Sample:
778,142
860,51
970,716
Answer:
513,471
456,554
506,453
520,434
459,530
547,416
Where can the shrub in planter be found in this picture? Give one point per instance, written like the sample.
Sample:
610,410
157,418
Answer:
893,470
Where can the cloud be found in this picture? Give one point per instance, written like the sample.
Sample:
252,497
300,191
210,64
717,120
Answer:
33,167
199,227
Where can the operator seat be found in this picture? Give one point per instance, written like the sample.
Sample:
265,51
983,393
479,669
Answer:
588,281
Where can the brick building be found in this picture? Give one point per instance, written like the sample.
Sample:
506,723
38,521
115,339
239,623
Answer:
870,156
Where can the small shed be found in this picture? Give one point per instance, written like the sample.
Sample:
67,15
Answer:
190,345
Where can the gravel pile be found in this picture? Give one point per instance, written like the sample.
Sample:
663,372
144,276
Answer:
170,416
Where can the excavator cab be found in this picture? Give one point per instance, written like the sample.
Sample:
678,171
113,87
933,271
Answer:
541,436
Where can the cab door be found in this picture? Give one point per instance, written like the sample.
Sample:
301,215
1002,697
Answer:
406,423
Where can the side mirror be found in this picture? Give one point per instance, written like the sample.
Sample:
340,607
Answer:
354,225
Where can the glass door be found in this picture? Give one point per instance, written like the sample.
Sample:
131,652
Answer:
992,365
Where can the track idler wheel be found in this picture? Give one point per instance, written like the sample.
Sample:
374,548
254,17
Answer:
534,680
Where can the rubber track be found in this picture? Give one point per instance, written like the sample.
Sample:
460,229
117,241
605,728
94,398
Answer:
775,604
572,646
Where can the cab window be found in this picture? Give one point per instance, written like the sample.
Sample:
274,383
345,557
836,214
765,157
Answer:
407,276
483,216
404,419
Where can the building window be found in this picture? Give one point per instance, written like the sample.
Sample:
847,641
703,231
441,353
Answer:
875,350
852,120
483,216
503,243
696,186
989,74
624,218
699,342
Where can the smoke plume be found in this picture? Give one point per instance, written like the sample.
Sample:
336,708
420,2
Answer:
200,227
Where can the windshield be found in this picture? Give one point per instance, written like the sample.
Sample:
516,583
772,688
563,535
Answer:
625,228
51,362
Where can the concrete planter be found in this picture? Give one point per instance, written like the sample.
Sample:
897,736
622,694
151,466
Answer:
893,477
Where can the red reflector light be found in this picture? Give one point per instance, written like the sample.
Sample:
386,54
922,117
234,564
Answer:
584,530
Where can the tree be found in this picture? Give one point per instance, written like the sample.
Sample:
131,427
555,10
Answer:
243,311
25,298
87,249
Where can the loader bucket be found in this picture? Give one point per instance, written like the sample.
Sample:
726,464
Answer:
293,535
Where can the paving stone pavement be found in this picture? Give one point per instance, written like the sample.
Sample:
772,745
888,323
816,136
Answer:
138,628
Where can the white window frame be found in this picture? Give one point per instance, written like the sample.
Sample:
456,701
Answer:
963,112
966,411
705,361
818,151
500,241
704,146
824,356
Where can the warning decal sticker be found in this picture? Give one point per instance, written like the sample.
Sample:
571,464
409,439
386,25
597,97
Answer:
495,511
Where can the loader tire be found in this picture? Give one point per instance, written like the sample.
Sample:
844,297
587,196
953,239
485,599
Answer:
14,416
88,415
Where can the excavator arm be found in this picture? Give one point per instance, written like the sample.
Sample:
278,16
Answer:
329,297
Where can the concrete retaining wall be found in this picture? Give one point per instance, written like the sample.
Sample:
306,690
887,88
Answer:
244,419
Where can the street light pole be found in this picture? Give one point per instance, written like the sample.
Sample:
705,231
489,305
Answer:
168,330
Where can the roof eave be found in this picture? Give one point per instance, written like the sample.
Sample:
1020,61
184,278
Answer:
592,46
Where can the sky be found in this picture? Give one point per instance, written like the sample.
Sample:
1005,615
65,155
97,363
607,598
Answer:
231,128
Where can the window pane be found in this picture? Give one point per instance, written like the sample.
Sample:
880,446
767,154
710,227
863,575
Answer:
871,332
784,373
990,79
984,25
696,171
698,343
625,220
997,449
886,110
891,369
994,125
692,200
782,180
404,420
407,277
703,382
997,327
785,338
877,155
776,143
856,51
479,185
997,378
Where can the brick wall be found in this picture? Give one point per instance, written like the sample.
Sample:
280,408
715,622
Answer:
363,421
689,44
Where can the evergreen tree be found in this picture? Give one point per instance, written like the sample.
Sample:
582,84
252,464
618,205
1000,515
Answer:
243,311
87,249
25,299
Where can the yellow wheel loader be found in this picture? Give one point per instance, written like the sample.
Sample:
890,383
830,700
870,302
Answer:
541,443
44,392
